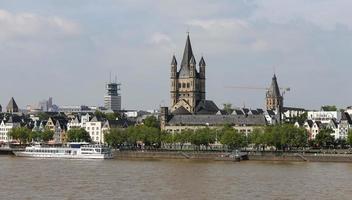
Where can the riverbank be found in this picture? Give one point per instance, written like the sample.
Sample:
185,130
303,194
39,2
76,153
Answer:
223,156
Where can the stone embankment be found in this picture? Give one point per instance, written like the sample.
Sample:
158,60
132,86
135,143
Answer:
223,156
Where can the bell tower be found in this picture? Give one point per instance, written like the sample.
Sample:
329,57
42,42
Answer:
187,84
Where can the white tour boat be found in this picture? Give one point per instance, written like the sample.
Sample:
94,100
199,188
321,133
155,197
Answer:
73,150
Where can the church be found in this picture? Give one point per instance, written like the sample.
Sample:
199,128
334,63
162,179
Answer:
188,85
189,108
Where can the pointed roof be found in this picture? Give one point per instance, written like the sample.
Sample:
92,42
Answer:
187,55
173,62
274,90
181,111
192,61
202,62
12,105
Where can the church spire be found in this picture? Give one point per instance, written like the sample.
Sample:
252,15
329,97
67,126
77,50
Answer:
274,88
202,62
174,62
187,54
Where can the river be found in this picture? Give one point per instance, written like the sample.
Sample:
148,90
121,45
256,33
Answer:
26,178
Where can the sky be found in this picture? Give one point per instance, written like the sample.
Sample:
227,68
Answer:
67,49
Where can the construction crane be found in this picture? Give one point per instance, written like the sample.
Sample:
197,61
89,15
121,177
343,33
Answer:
287,89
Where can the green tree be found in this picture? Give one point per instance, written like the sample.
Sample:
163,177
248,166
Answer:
324,138
349,137
257,137
116,137
204,136
20,133
183,137
99,114
151,136
329,108
46,135
34,136
43,115
78,135
151,121
233,139
167,139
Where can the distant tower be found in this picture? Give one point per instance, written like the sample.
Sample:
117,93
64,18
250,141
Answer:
274,100
187,84
12,106
112,99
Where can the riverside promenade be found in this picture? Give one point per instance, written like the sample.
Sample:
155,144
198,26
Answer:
226,156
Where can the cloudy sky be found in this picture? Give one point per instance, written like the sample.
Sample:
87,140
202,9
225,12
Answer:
66,49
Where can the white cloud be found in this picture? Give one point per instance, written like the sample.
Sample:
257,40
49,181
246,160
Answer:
231,33
13,25
159,38
324,13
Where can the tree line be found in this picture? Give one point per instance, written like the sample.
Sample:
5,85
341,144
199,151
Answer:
279,137
25,135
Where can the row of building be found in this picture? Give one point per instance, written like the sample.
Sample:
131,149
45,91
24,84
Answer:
189,108
60,124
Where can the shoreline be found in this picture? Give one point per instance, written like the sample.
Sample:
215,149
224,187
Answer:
223,156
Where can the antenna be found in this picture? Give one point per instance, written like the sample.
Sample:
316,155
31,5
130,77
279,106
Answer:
115,78
274,69
110,77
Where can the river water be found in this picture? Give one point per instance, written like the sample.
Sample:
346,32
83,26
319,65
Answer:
26,178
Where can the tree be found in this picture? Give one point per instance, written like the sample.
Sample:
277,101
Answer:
300,119
99,114
204,136
324,138
34,136
116,137
233,139
20,133
78,135
168,138
329,108
46,135
257,137
43,116
183,137
349,137
151,121
227,107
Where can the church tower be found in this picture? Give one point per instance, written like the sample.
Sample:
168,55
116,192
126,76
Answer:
187,84
274,100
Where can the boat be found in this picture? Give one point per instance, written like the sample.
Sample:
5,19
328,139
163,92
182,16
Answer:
72,150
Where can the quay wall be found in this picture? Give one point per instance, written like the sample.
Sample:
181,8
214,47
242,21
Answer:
222,156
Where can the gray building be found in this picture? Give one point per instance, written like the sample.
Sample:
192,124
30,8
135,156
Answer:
112,99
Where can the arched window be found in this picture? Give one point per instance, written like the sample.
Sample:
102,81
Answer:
188,85
184,85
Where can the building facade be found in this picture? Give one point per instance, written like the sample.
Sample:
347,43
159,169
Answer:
112,99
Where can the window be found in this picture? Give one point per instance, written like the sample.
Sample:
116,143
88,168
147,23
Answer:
184,85
188,85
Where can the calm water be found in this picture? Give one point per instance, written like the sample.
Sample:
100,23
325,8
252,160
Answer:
23,178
